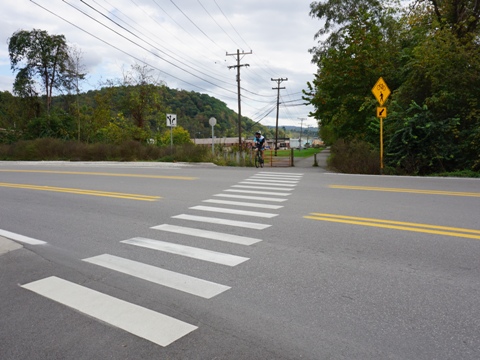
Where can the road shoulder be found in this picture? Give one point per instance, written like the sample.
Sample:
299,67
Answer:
7,245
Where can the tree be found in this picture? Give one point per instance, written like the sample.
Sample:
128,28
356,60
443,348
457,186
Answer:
77,66
178,136
461,16
338,15
38,56
141,94
442,76
363,46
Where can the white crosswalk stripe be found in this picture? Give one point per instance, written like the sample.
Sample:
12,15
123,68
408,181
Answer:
246,197
234,211
188,251
277,175
244,224
261,187
273,184
212,235
240,203
273,180
21,238
145,323
258,192
174,280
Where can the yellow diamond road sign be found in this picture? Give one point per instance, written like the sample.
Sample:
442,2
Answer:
381,91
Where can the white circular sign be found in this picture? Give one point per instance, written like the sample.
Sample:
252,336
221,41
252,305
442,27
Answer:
212,121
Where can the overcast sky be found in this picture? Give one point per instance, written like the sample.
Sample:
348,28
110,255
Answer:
186,42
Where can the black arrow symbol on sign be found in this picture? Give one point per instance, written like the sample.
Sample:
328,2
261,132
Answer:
381,112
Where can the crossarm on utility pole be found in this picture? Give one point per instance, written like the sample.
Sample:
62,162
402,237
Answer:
278,88
238,66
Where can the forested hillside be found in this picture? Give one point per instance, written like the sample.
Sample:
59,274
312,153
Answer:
117,113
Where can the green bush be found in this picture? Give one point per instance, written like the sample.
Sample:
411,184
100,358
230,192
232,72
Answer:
355,157
463,173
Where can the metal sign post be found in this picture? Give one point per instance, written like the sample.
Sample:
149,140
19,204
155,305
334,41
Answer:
381,93
212,121
172,122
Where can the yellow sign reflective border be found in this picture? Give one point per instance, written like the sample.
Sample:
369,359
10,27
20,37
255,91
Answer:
381,91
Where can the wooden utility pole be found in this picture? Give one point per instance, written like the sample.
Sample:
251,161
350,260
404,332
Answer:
238,66
301,131
278,88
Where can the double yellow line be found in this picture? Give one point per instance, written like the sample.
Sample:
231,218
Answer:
413,191
82,192
171,177
397,225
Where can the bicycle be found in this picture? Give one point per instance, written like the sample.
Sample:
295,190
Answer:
258,159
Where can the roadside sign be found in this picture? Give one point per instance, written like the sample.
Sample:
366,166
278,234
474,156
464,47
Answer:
381,112
172,120
381,91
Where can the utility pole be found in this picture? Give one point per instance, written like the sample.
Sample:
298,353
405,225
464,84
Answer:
238,66
278,88
301,130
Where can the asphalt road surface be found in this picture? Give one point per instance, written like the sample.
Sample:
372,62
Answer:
169,261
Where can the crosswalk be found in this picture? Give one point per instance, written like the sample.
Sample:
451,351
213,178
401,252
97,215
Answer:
243,200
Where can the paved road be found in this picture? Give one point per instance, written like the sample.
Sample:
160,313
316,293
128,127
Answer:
151,261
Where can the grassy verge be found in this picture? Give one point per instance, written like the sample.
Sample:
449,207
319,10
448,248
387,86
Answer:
299,153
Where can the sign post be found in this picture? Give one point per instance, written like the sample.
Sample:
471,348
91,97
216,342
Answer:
381,92
172,122
212,121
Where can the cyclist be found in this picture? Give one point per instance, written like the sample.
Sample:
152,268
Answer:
259,143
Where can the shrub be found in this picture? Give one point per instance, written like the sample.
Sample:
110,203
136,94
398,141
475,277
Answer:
355,157
55,149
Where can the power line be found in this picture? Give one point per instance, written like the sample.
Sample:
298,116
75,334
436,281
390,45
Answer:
142,47
216,22
120,50
208,37
147,38
153,19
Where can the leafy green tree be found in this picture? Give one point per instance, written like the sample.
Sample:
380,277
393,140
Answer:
423,143
57,124
430,58
460,16
120,130
141,95
38,57
179,136
363,46
443,78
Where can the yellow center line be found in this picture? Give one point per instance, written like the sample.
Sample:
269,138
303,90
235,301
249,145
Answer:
397,225
400,190
171,177
83,192
438,227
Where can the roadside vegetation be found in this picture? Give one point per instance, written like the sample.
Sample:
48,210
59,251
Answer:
429,55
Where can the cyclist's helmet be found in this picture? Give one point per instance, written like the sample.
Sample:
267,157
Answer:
258,133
